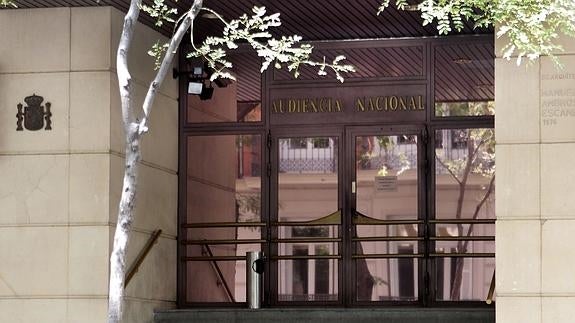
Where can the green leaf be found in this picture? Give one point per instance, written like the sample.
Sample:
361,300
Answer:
531,26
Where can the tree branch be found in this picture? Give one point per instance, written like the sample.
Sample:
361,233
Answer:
124,76
8,3
216,14
462,248
167,62
476,150
447,168
477,209
254,30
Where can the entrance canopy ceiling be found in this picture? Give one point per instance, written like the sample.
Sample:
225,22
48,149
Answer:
311,19
316,20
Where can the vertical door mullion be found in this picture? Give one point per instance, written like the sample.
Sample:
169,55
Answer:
424,172
273,166
348,293
430,200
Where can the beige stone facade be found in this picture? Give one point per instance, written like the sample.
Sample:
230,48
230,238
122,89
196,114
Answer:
60,188
535,209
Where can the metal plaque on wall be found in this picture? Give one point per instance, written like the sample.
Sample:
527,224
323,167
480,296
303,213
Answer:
34,116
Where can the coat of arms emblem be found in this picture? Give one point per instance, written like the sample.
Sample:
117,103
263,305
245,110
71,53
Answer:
34,114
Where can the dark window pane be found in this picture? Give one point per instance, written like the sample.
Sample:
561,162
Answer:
463,279
386,175
465,174
464,108
464,79
371,62
308,191
308,280
204,284
387,279
223,187
465,184
300,272
300,165
322,282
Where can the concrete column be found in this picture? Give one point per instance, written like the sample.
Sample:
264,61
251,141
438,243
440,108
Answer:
60,188
535,132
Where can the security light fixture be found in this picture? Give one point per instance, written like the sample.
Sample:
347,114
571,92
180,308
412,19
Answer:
207,92
195,87
198,71
199,81
200,88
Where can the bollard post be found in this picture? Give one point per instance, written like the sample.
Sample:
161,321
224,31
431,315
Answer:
254,271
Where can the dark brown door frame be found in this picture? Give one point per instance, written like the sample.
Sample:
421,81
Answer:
346,174
351,133
432,123
272,274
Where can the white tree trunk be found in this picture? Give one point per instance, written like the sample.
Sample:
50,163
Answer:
134,129
123,227
127,200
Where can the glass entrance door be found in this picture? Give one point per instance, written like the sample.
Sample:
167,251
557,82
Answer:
386,230
346,223
347,216
306,236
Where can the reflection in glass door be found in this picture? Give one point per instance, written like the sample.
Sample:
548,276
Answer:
386,222
383,233
306,232
366,220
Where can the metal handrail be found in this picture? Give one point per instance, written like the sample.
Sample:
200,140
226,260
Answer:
388,255
462,221
463,255
141,256
306,240
222,241
330,219
294,257
222,224
362,219
389,238
462,238
214,258
489,299
219,273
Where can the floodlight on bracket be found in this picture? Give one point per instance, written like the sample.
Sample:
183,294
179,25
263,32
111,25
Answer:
199,82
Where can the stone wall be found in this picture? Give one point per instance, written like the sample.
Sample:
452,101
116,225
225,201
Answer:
60,188
535,131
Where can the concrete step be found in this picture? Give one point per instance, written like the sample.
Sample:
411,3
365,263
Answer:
328,315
